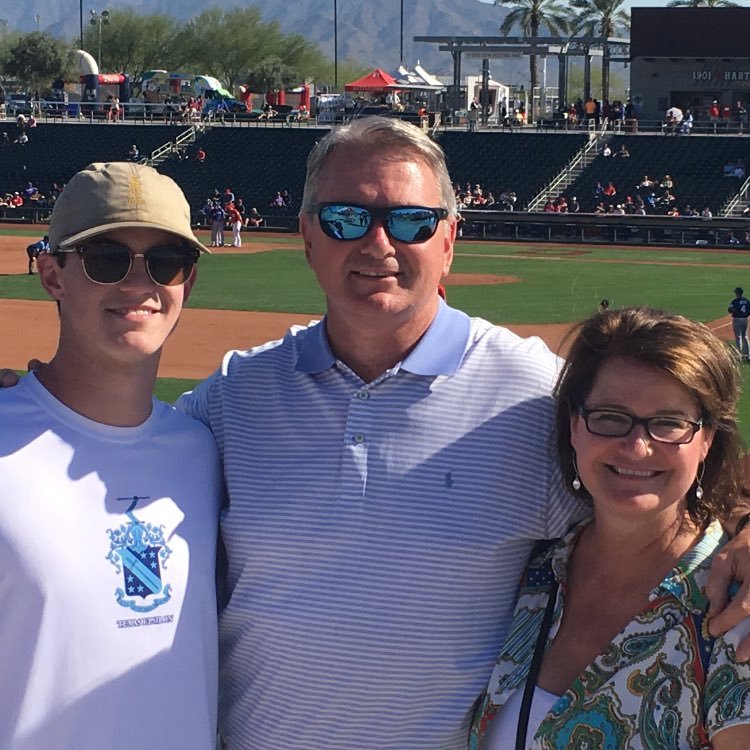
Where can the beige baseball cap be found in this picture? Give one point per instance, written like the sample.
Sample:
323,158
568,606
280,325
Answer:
116,195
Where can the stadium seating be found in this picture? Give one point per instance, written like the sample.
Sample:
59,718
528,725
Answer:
694,162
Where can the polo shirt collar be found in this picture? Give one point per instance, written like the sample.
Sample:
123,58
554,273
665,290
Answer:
439,351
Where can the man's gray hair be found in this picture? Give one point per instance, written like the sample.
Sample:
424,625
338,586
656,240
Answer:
379,134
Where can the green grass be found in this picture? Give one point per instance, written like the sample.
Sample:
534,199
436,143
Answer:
170,389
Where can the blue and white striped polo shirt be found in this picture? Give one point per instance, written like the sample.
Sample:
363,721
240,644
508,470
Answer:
376,532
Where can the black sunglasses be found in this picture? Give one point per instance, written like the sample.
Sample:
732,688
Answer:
409,224
110,262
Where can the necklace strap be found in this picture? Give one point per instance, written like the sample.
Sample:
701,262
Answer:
536,663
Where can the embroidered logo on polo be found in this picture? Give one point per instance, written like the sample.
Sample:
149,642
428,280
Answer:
139,552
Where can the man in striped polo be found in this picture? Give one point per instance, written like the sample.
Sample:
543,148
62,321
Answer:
385,472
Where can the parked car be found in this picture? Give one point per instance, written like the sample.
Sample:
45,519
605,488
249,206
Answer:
17,104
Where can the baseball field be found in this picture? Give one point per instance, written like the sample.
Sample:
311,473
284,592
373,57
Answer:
250,295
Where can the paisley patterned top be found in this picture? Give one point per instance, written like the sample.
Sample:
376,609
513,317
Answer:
663,684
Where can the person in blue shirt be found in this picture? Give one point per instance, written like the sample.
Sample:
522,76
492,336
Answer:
34,250
739,308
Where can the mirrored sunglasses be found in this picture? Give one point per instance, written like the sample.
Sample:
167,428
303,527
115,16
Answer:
409,224
110,262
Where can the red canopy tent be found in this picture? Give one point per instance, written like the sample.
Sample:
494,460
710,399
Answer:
378,80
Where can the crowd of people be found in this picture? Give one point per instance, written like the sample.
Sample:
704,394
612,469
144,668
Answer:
474,196
30,196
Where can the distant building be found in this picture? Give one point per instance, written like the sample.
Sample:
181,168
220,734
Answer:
687,58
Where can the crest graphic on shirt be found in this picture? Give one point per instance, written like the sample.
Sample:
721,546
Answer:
139,552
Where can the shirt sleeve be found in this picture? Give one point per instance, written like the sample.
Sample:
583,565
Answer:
727,691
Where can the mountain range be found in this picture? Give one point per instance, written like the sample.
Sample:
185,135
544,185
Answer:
368,32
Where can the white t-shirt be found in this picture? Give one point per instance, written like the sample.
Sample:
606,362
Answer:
107,587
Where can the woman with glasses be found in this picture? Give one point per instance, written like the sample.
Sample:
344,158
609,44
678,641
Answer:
609,646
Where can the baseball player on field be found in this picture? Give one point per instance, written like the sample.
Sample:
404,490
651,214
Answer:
739,308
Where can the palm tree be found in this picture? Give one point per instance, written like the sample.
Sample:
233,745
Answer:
530,16
599,18
702,4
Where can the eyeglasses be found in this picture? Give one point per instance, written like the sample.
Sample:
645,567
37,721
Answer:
110,262
409,224
608,423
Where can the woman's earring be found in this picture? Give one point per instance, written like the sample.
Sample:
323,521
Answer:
698,488
576,479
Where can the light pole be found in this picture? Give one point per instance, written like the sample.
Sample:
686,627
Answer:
335,45
99,19
401,50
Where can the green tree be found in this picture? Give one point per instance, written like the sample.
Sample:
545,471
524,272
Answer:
271,74
531,16
226,44
602,18
36,59
133,44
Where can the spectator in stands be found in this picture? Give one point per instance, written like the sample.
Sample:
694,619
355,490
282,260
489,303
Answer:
277,201
714,112
549,206
687,123
16,200
200,154
508,200
21,123
227,198
739,114
561,204
706,213
609,191
133,153
598,192
667,183
619,210
600,209
574,207
589,109
489,200
241,210
30,189
689,212
674,117
631,117
286,197
31,122
673,211
646,184
606,151
205,211
622,152
254,219
268,112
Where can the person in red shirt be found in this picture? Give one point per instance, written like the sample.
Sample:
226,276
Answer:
235,221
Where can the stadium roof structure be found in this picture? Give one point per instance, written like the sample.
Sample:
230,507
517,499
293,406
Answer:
614,49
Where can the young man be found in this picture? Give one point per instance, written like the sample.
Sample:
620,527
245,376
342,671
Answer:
109,499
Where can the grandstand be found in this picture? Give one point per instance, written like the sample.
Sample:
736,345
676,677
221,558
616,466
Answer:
258,161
